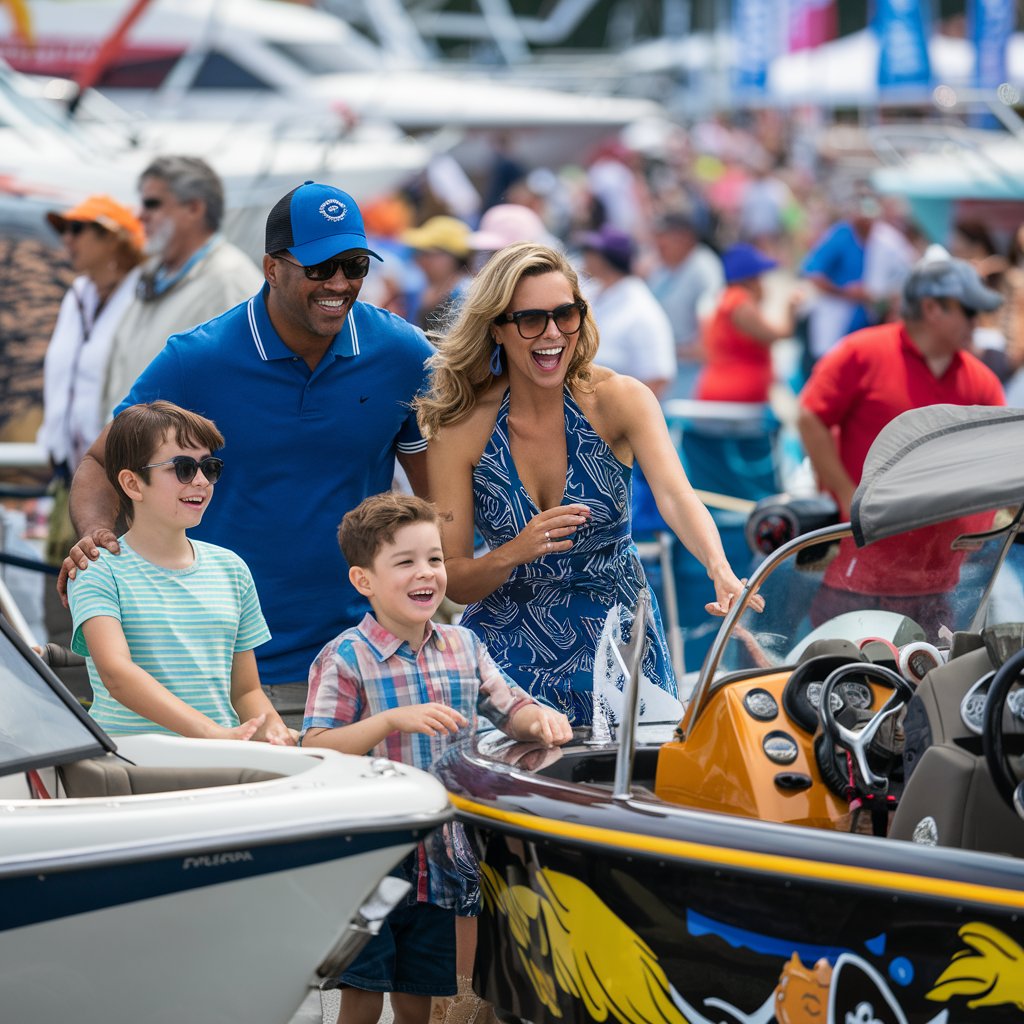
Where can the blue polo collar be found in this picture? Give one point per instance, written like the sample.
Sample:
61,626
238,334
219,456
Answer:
269,344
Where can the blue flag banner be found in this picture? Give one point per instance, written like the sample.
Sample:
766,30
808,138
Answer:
903,64
757,30
989,27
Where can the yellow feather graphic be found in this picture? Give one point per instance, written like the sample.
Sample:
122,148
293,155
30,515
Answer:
588,952
993,973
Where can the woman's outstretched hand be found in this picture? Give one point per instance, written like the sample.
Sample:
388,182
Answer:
549,532
727,590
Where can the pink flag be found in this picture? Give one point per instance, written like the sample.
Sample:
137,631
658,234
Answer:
811,23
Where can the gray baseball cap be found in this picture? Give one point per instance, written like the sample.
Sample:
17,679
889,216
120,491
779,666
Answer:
950,279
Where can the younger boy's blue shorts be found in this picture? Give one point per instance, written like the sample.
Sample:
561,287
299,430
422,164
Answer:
414,952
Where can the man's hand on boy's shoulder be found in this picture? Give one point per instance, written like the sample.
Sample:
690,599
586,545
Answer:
432,719
84,552
545,725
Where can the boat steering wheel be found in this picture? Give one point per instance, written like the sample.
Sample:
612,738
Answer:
837,736
1000,741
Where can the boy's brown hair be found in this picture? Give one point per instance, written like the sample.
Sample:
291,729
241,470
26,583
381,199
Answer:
375,521
136,433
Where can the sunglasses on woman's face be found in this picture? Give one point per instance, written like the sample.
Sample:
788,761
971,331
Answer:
355,268
532,323
186,468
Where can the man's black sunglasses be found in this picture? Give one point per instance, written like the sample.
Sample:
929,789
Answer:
355,268
186,468
532,323
76,227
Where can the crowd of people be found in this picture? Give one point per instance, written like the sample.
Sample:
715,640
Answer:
514,369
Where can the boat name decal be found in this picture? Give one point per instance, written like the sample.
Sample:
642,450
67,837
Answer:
216,860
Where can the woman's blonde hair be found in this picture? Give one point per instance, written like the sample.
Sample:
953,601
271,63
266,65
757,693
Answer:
460,369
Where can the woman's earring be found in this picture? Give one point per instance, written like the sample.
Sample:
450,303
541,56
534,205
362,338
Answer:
495,364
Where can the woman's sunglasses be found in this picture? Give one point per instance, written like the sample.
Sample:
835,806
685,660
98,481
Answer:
532,323
355,268
186,468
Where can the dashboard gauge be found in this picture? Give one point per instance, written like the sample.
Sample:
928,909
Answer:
972,707
760,704
916,660
780,747
1015,702
814,697
856,695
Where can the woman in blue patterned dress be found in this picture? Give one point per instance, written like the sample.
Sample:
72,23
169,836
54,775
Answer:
535,444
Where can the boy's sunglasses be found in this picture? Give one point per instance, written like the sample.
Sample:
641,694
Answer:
186,468
355,268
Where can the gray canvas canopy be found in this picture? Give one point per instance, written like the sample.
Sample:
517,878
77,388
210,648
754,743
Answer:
936,463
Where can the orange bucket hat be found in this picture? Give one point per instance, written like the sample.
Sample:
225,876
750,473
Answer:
106,212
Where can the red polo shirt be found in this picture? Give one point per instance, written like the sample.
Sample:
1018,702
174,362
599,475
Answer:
866,381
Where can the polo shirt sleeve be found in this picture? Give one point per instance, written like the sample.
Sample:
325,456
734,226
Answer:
410,440
163,378
336,695
252,626
499,698
835,385
91,593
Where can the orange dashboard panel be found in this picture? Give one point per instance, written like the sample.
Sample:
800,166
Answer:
743,758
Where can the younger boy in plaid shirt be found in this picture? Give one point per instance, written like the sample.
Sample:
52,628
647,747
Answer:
404,687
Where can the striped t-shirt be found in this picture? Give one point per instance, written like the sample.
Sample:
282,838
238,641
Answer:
183,626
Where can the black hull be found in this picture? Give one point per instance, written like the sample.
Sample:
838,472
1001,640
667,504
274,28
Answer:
637,912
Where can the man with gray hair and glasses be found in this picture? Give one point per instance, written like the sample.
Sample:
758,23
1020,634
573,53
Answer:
193,273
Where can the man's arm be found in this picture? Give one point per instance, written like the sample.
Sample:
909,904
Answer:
821,449
93,505
415,466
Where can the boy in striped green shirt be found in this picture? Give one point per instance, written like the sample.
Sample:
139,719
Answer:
169,625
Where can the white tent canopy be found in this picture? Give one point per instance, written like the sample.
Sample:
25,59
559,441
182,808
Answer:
845,71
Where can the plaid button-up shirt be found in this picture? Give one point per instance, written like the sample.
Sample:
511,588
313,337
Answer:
366,670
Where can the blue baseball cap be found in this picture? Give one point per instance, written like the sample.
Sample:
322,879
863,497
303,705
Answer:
315,222
742,261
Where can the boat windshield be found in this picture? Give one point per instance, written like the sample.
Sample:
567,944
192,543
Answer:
40,722
805,599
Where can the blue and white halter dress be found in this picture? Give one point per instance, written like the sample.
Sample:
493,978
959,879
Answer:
543,624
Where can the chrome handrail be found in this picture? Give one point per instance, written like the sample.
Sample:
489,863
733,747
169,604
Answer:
826,534
642,619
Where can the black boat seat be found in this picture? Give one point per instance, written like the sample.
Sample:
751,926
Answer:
110,776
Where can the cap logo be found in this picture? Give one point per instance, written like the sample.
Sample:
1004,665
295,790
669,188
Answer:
333,209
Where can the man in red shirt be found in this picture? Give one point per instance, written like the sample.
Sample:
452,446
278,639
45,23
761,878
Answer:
866,381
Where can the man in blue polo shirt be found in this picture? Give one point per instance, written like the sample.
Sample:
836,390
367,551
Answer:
311,390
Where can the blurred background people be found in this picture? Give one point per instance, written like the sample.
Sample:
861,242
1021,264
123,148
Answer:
193,273
635,334
441,250
835,266
738,337
104,241
686,284
503,225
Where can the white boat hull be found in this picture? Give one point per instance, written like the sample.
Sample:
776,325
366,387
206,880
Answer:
201,905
